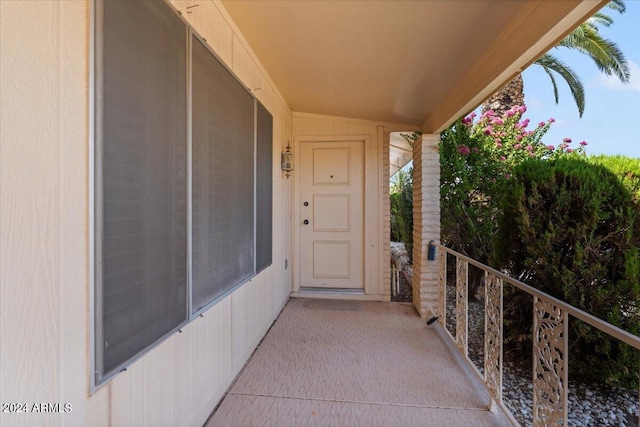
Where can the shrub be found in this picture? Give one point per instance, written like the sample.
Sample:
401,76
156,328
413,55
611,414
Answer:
402,209
477,161
396,235
477,158
570,228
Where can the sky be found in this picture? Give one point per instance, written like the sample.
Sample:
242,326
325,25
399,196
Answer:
611,120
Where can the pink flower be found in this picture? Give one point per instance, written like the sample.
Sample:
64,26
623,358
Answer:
567,140
507,175
509,113
517,146
551,147
519,138
583,143
522,109
464,150
490,113
569,150
497,121
498,145
503,158
529,148
467,121
475,149
525,123
541,124
472,115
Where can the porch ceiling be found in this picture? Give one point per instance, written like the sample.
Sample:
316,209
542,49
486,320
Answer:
413,62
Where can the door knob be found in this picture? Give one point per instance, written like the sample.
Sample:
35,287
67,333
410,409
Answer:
306,222
306,203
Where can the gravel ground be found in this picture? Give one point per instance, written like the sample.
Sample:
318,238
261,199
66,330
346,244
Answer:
589,404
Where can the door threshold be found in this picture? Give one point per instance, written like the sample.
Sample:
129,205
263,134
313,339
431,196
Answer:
339,291
351,294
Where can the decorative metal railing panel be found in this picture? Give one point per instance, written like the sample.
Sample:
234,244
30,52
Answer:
462,303
550,367
550,336
493,336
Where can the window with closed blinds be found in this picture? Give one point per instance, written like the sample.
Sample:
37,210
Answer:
223,179
142,167
264,188
141,159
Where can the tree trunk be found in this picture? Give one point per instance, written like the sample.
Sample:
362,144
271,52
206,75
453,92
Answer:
509,95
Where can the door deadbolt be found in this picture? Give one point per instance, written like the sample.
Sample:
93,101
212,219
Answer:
306,222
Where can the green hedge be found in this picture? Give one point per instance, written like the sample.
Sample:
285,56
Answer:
571,228
626,169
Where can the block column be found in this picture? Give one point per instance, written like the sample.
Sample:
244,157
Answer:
426,222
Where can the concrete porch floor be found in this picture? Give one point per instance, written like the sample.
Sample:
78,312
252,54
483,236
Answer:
354,363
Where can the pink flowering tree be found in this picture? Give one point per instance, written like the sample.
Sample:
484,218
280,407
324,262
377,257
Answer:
512,139
477,157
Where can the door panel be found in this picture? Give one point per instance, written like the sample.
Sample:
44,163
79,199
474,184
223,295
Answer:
331,212
331,166
331,259
332,187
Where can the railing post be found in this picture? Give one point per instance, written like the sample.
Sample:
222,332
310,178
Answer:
550,364
462,304
493,291
442,286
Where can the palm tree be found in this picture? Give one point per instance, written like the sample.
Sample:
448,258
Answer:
585,39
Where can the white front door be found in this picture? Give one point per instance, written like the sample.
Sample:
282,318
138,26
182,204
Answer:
331,218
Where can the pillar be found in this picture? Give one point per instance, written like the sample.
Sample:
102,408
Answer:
426,222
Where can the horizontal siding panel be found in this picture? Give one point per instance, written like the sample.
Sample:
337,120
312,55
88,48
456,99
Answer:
181,373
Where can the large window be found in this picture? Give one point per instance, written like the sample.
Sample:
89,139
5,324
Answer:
223,179
148,126
264,196
142,148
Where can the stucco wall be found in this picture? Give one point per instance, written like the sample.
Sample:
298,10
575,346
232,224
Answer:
44,236
376,212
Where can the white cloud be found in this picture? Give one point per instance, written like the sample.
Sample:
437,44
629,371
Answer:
534,102
612,82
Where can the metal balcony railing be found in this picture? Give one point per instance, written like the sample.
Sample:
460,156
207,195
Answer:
550,336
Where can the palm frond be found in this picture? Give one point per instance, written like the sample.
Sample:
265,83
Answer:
553,82
600,18
604,53
551,63
617,5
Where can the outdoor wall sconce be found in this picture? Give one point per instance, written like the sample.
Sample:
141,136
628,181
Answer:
286,161
431,253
